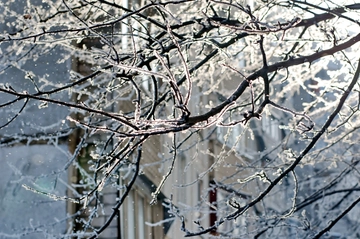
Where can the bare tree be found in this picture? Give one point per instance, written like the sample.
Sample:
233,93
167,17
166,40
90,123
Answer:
260,99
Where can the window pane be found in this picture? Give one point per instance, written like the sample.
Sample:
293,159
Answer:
130,220
141,218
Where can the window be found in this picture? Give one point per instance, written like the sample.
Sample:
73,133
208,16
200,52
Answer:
129,219
137,215
270,126
240,138
134,217
213,205
141,217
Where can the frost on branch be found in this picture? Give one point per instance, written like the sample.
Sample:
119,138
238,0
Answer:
232,119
